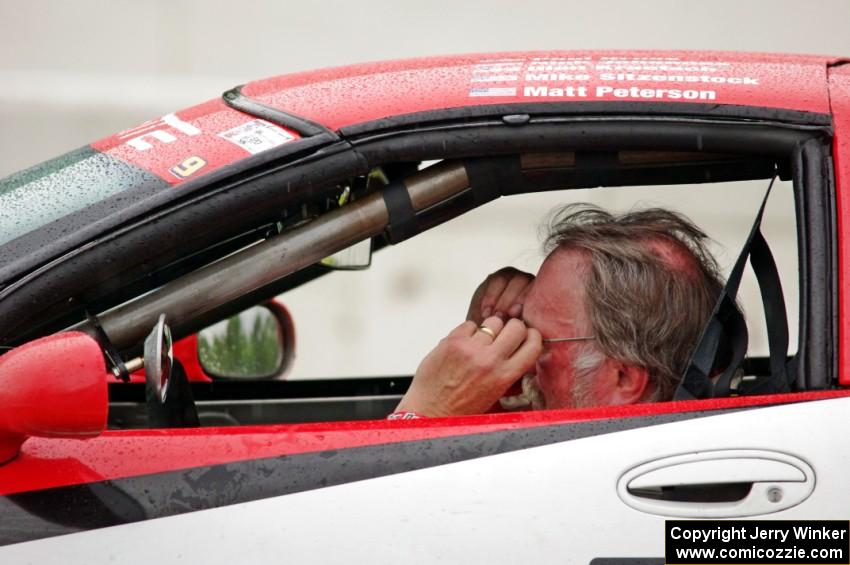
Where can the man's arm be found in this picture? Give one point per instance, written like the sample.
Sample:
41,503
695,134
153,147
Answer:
470,369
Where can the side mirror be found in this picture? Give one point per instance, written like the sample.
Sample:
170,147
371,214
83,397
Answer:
52,387
258,343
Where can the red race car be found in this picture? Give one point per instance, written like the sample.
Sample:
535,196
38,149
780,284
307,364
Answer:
117,446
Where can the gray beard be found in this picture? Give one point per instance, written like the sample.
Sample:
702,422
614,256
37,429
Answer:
531,397
582,393
532,392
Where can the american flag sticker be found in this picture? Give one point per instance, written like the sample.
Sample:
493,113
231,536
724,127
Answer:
491,69
494,78
506,63
493,91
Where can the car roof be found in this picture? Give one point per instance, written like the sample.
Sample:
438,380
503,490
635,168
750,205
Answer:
344,96
357,99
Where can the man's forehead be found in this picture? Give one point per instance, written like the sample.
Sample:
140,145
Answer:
557,294
564,260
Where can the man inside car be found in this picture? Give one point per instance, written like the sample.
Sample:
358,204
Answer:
611,318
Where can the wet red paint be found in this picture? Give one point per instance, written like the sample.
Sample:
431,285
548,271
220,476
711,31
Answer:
345,96
159,147
52,387
45,463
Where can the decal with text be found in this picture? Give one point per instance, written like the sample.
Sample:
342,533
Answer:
603,78
193,142
257,136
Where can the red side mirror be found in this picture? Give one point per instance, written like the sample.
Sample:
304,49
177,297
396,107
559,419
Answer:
52,387
258,343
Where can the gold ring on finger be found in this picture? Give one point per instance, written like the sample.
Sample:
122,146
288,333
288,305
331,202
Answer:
486,330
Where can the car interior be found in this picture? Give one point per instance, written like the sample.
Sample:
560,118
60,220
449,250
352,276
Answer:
413,188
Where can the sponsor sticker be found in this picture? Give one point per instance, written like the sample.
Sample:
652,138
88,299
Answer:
257,136
164,130
605,78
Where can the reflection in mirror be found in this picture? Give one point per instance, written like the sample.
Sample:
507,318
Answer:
246,346
358,256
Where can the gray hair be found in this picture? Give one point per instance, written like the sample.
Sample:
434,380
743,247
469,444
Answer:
651,286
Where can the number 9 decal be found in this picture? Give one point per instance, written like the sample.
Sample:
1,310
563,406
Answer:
188,167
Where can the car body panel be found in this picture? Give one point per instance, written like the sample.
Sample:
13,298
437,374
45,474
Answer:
65,396
553,503
346,96
342,97
195,141
162,450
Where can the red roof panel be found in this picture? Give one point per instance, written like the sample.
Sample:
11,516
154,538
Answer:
345,96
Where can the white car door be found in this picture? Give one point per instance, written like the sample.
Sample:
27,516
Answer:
563,501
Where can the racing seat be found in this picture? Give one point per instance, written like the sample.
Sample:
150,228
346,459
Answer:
723,343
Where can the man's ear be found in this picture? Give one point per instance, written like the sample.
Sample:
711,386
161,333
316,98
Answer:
632,385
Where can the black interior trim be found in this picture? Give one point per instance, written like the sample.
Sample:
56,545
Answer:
660,109
676,173
816,358
402,224
233,389
477,140
489,176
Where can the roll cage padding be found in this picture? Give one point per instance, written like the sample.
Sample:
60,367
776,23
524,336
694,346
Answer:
403,224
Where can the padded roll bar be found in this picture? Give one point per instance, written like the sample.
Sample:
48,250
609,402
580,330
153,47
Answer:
254,267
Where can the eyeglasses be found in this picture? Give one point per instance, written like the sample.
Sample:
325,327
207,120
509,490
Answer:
559,339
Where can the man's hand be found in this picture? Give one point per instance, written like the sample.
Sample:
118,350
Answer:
501,294
470,370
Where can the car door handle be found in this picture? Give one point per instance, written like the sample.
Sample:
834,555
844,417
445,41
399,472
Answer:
718,484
